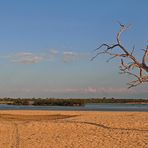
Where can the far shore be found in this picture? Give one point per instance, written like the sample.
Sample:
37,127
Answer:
68,101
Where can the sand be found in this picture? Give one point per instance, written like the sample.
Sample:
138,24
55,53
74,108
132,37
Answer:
73,129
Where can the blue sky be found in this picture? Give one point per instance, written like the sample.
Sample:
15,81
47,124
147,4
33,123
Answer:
46,47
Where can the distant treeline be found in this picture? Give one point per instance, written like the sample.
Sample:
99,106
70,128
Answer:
65,102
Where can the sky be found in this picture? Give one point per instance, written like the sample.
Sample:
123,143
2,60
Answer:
46,47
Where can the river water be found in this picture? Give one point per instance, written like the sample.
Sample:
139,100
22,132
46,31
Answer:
87,107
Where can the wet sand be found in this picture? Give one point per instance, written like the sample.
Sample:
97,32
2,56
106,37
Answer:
73,129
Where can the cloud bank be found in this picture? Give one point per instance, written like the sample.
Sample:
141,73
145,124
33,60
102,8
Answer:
52,55
94,90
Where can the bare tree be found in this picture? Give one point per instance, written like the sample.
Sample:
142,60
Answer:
129,62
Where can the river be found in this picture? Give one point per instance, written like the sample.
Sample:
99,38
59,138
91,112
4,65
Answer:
87,107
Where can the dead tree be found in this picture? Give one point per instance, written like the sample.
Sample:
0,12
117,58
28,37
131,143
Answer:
129,62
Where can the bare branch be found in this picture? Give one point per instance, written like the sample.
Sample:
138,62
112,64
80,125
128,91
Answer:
133,50
126,55
144,59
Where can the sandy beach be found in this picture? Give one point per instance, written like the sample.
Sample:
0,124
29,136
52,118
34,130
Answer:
73,129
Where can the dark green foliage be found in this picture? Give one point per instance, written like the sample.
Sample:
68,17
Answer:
66,102
59,102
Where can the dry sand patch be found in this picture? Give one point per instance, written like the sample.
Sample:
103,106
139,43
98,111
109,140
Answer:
73,129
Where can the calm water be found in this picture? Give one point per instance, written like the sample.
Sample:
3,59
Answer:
87,107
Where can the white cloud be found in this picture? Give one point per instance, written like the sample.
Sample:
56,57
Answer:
26,58
54,51
69,56
52,55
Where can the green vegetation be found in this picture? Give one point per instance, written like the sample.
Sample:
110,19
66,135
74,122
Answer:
65,102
